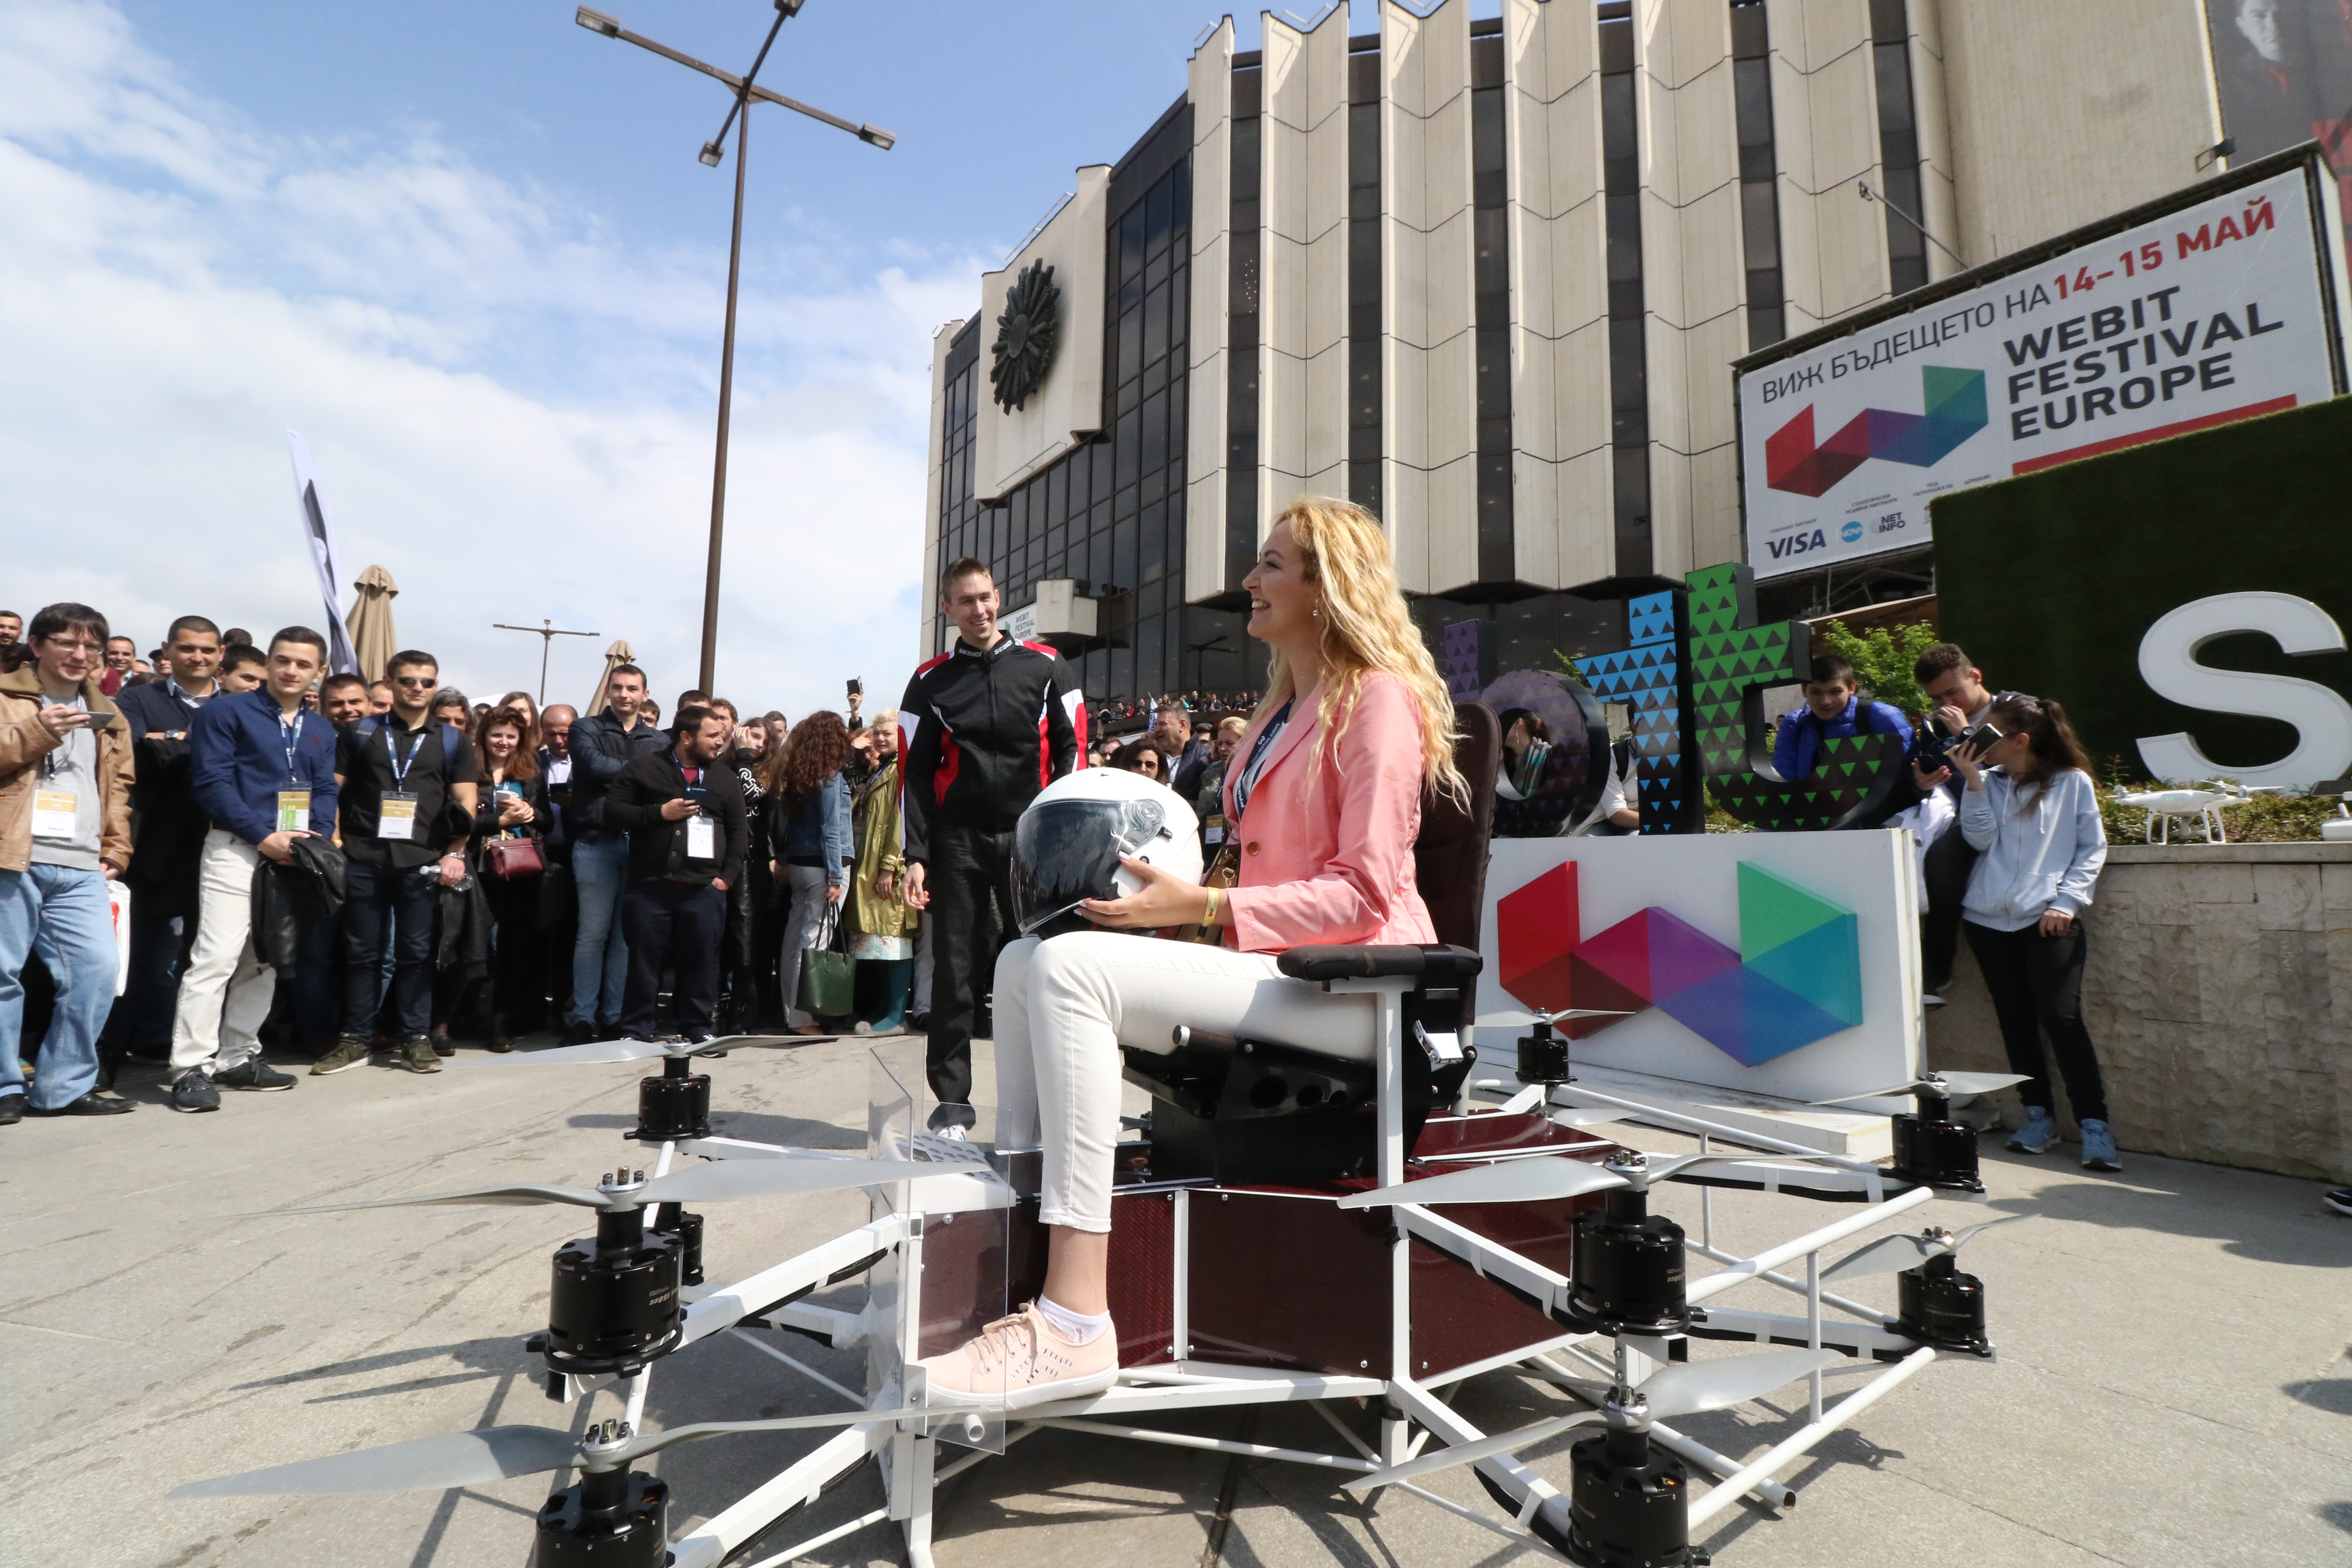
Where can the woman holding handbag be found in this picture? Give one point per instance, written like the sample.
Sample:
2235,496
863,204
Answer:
883,927
808,827
510,856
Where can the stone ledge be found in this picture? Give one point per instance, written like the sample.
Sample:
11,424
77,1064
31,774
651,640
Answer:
2310,852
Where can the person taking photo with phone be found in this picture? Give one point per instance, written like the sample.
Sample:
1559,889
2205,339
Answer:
2032,813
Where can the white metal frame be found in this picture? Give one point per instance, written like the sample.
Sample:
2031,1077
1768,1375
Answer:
1413,1409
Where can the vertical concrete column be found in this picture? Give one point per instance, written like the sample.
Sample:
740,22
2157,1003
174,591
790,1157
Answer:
1825,131
1930,108
1428,300
1693,281
927,613
1303,320
1210,86
1565,532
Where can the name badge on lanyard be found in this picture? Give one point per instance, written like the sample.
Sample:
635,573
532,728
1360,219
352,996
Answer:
701,838
395,814
293,811
53,813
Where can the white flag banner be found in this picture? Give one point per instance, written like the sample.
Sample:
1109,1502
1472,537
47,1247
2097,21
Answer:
318,533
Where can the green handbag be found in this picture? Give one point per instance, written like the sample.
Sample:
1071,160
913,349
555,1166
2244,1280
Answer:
828,984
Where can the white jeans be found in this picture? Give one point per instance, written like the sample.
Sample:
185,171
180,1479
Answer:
1065,1007
207,1031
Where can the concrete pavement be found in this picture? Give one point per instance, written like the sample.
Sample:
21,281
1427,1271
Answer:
2172,1386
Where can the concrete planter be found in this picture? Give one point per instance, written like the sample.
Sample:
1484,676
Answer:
2219,993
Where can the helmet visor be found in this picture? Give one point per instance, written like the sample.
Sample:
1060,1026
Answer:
1066,850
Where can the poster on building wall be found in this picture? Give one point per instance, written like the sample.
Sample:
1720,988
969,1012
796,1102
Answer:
2284,70
2221,308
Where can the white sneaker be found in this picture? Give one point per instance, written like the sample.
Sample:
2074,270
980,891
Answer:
1026,1359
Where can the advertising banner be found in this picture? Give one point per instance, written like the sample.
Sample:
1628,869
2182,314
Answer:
2217,309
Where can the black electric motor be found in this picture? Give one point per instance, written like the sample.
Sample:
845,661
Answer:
1629,1504
1931,1149
673,1107
673,1220
612,1305
1543,1056
608,1519
1628,1265
1937,1305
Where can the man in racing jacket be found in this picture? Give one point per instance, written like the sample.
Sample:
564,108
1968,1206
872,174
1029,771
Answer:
984,728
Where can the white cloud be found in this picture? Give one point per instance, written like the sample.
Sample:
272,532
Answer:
510,411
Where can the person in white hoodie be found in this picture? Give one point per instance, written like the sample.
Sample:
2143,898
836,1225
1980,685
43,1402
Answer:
2032,813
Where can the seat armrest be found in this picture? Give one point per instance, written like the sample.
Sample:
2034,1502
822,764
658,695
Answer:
1436,966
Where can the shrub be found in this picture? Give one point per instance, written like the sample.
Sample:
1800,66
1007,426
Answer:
1881,659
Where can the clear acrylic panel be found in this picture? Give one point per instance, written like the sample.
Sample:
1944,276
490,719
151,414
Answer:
949,1281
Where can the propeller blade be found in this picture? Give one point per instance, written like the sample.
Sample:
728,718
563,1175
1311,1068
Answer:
1527,1100
1887,1255
1895,1092
1686,1389
1951,1083
594,1053
519,1193
1471,1453
730,1179
1675,1164
1960,1238
1509,1182
1585,1118
1978,1082
426,1464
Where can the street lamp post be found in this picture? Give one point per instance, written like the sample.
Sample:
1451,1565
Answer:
746,91
547,631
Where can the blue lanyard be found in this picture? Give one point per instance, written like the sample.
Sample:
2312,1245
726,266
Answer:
291,732
399,767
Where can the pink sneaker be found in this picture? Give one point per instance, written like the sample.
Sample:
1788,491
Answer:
1029,1360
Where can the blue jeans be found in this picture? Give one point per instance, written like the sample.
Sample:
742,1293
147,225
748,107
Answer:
600,954
62,914
388,910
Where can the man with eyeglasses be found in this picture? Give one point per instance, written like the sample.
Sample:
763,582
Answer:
408,805
166,843
65,833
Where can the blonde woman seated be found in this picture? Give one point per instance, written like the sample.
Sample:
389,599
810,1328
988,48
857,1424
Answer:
1325,794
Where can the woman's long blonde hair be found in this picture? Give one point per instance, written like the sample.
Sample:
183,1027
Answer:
1365,627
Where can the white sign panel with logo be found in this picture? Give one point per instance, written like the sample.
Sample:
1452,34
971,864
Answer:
2215,311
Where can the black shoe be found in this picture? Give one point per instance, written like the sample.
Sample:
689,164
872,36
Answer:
2339,1199
91,1104
579,1034
12,1109
919,1023
949,1115
193,1091
253,1073
106,1074
609,1031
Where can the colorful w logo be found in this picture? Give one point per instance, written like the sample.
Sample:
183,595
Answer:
1955,402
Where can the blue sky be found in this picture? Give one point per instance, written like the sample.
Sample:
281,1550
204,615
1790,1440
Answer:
467,249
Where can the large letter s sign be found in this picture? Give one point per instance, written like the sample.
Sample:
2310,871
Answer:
2322,719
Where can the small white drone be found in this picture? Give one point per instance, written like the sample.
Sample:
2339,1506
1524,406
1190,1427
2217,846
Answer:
2204,803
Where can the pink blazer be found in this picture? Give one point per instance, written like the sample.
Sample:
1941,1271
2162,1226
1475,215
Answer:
1329,859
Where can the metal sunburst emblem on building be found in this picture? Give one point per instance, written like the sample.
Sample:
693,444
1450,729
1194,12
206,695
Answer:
1026,334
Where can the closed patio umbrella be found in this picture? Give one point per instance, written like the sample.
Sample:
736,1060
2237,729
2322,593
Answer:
618,654
373,642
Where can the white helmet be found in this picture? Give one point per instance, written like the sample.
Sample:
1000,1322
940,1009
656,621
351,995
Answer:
1067,843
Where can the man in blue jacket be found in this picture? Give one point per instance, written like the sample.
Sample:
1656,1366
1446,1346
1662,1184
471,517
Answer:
1833,710
603,744
263,772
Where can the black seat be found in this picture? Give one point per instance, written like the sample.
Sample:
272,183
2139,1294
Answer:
1260,1111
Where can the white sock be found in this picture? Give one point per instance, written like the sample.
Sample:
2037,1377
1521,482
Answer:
1081,1327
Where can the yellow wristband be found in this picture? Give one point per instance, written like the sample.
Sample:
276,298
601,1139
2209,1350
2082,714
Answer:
1211,918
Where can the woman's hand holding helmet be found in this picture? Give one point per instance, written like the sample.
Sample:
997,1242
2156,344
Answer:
1165,900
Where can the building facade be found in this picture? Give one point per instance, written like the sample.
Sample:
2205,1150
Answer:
1487,277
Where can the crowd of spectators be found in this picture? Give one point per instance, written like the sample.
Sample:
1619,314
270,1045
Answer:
222,860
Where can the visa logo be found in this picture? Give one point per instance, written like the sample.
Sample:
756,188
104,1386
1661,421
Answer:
1797,544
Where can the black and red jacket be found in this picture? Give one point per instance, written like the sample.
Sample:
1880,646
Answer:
983,734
